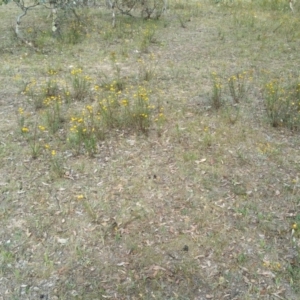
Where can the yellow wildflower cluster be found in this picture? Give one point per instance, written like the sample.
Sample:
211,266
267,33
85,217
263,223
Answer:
216,81
89,108
232,78
52,100
275,266
240,76
103,105
152,56
77,124
76,72
112,88
265,148
142,94
52,72
117,106
29,86
85,123
270,87
87,78
283,103
161,116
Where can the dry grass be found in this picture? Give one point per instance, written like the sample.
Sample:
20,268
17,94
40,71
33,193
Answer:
204,204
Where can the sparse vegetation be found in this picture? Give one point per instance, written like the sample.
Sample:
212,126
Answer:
283,103
154,159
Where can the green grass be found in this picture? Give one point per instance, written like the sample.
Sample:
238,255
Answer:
157,159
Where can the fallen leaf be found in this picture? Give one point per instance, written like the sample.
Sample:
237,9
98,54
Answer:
267,274
158,268
123,263
62,241
200,161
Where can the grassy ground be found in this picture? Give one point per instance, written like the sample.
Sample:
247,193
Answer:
154,160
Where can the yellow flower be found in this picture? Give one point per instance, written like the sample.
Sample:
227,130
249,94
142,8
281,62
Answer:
277,266
25,129
53,152
295,226
74,128
266,264
124,102
89,108
41,128
21,111
52,72
76,71
80,197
